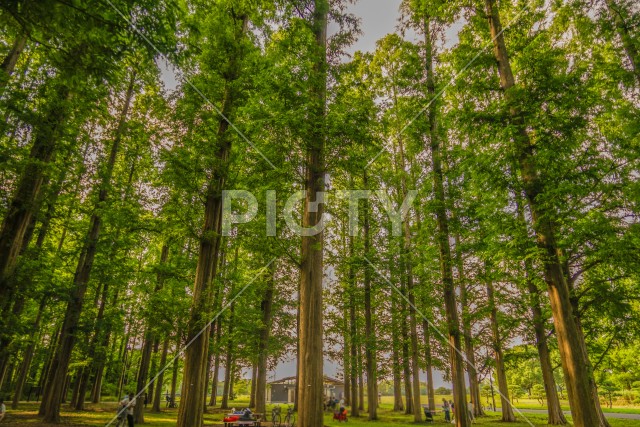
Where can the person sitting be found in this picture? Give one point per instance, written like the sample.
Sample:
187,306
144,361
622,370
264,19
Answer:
428,416
246,415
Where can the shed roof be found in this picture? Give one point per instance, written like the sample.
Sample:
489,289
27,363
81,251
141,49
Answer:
289,380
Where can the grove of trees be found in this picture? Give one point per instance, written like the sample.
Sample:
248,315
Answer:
463,199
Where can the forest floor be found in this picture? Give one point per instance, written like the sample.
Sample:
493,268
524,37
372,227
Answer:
100,415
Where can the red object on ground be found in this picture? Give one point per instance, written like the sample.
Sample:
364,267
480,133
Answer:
340,416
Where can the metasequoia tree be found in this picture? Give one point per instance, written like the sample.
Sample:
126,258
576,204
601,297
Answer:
310,355
192,402
53,391
577,369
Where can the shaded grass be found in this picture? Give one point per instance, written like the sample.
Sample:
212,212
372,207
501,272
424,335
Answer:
101,414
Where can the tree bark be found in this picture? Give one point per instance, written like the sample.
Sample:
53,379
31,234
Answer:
10,61
216,365
369,328
554,410
577,371
474,384
442,235
310,357
191,410
28,357
23,205
353,334
620,22
507,410
157,395
51,402
266,307
398,404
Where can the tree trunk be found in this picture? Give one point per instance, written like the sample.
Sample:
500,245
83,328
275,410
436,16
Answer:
446,264
398,404
474,384
507,410
23,205
266,307
216,365
578,374
191,410
149,341
10,61
310,356
254,374
556,416
157,395
175,369
429,364
143,374
51,402
353,334
369,328
554,410
228,364
621,22
25,367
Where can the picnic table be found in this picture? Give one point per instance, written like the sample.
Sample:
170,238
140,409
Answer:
244,423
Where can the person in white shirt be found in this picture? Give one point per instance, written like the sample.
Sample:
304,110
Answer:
3,409
129,402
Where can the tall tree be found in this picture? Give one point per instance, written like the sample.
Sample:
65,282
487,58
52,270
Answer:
310,356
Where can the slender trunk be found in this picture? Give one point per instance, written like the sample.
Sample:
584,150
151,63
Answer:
153,372
310,366
507,410
360,381
474,384
346,357
429,363
51,402
406,368
369,328
23,205
398,404
9,63
577,371
175,369
191,410
353,334
446,263
28,357
554,410
143,374
157,395
76,386
263,346
621,22
254,374
149,340
228,364
216,365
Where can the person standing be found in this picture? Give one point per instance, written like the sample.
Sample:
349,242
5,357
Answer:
130,403
3,409
446,409
472,418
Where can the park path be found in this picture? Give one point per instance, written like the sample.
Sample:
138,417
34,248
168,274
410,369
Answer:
617,415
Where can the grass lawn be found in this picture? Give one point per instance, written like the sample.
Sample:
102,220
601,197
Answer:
101,414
